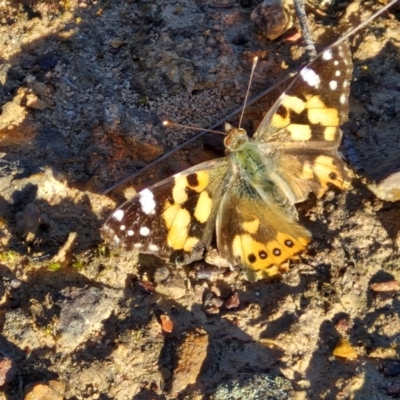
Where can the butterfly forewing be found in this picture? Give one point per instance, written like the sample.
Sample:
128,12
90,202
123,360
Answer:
173,219
302,129
314,105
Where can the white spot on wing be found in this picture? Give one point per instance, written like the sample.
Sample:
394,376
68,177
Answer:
336,62
333,85
122,227
337,73
342,99
153,247
130,232
147,201
144,231
118,215
327,55
310,77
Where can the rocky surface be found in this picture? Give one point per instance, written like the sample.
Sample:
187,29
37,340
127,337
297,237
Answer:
84,86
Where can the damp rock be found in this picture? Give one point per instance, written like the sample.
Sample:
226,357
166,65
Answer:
8,370
27,61
27,222
192,352
140,132
388,189
53,390
212,257
143,135
116,43
212,304
19,329
16,125
392,369
232,301
112,118
168,284
255,386
393,389
272,18
203,270
33,101
83,312
40,89
47,61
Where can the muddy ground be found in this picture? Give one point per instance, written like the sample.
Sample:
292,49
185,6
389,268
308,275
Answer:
84,87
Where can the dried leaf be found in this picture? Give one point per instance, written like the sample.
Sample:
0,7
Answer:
166,323
388,286
345,350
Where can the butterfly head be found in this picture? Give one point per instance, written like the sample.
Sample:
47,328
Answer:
235,137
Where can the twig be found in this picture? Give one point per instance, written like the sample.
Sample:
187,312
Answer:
305,29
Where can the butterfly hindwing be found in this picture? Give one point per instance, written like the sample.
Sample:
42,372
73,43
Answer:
160,220
254,232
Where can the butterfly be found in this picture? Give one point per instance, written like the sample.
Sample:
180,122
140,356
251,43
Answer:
247,198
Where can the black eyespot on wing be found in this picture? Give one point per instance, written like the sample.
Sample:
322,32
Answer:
263,254
252,258
333,176
277,252
289,243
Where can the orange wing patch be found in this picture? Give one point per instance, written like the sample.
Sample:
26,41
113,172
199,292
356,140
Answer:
267,257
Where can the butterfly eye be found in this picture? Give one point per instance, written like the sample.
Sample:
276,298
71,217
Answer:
228,141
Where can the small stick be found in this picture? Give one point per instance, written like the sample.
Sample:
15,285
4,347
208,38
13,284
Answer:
305,28
68,82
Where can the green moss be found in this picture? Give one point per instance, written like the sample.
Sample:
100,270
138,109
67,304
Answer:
78,264
9,256
54,266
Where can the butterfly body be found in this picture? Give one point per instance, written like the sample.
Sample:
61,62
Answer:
256,166
248,197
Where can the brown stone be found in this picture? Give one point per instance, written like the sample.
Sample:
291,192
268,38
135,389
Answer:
32,101
191,353
8,369
43,391
388,286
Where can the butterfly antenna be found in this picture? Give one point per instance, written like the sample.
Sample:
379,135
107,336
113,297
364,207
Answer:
193,128
255,59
